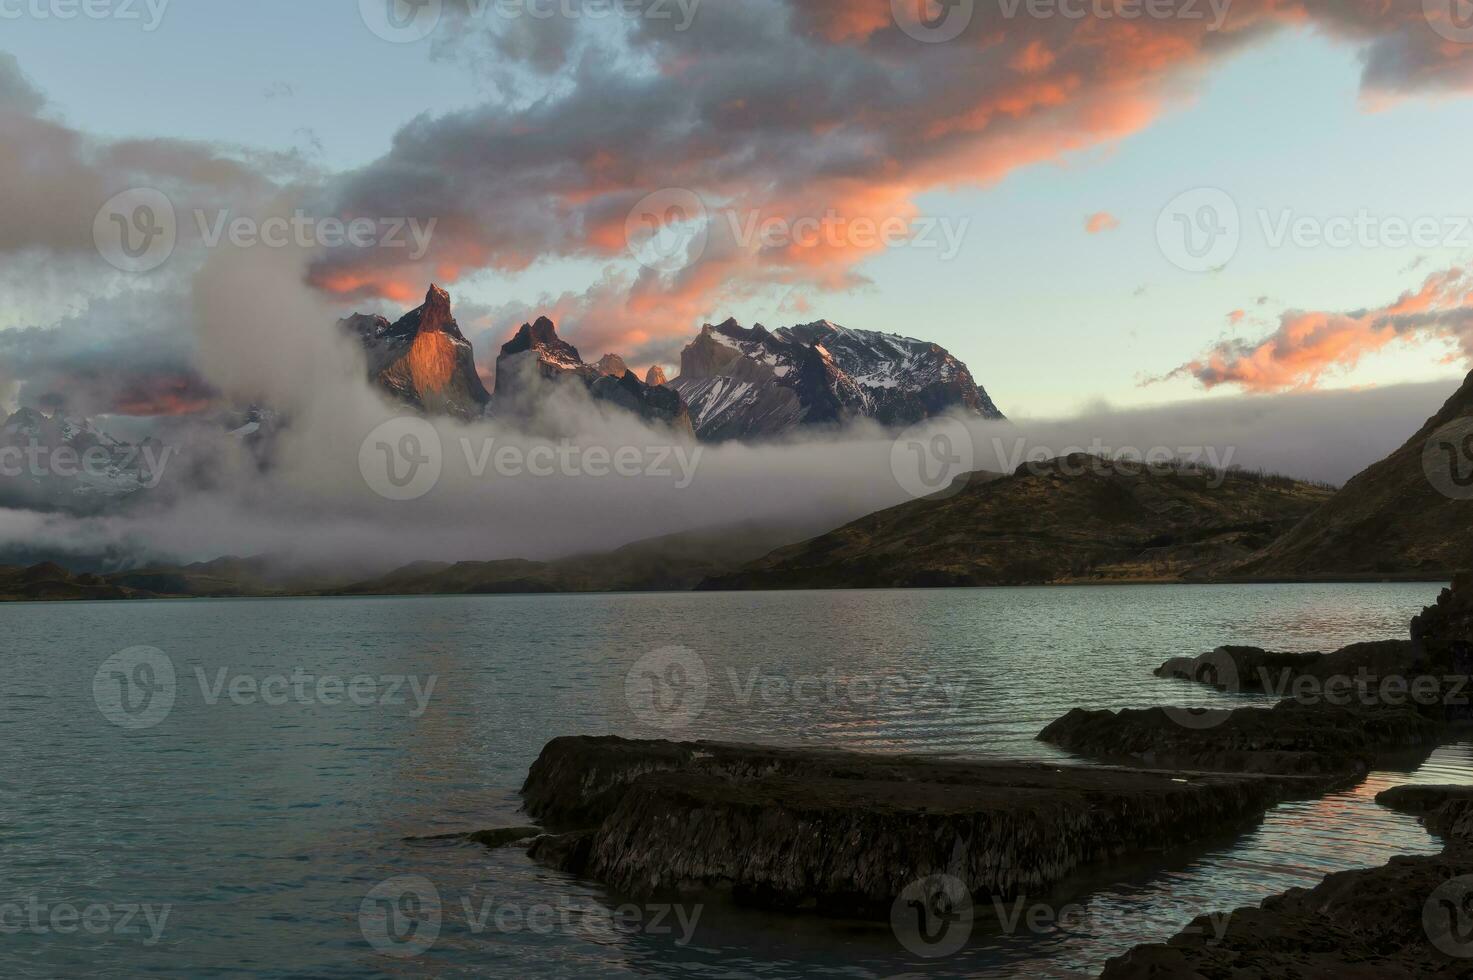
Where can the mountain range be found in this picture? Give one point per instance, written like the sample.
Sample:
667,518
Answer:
1074,519
58,463
735,383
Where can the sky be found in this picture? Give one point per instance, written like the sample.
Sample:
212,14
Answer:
1037,168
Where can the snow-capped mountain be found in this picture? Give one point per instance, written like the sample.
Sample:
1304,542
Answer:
537,358
423,359
748,383
56,463
735,383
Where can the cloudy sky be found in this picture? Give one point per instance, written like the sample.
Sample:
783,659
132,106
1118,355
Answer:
1082,200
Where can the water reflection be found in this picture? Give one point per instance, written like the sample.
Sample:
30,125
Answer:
265,826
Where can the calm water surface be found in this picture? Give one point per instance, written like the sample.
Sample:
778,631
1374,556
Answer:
262,822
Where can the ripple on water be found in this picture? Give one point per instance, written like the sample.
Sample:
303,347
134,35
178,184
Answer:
264,827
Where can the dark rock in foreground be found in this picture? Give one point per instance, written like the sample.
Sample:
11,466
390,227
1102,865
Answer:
1444,630
1288,738
1446,810
1236,668
1239,669
844,833
1412,917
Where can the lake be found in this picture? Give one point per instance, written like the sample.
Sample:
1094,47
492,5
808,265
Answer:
223,788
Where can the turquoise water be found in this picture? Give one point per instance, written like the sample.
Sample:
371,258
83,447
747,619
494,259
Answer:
254,816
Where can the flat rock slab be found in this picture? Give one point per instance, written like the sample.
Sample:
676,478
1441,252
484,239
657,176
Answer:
1412,917
845,833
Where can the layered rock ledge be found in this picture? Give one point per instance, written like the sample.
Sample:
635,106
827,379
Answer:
844,833
1288,738
1412,917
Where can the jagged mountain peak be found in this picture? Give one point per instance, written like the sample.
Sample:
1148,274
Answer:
435,313
742,382
612,365
537,357
423,359
655,376
542,336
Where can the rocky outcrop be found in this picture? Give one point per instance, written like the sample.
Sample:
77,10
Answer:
1444,632
423,359
536,360
1238,669
1343,710
844,833
655,376
751,383
1412,917
1290,737
1446,810
612,365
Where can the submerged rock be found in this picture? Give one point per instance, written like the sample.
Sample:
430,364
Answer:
493,838
844,833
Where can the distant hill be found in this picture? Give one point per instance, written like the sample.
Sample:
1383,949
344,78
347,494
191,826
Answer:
673,563
1395,518
1075,519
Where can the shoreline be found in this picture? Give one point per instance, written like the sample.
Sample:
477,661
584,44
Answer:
1349,579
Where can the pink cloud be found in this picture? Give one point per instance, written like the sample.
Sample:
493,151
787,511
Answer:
814,108
1311,344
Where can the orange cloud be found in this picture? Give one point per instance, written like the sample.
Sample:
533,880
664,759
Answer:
827,111
1308,345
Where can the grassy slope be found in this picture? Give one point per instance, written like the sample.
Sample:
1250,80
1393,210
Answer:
1390,519
1047,524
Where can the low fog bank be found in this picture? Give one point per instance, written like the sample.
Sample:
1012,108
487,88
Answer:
357,485
1327,436
317,508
